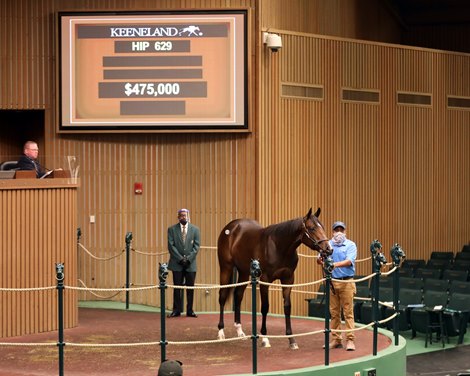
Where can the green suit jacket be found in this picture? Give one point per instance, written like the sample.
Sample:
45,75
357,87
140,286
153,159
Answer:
177,249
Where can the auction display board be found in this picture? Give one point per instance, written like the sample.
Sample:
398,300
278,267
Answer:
140,72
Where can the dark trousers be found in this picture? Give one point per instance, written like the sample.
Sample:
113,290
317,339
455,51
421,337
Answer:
183,278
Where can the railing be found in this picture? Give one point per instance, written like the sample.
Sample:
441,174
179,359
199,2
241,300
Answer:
377,257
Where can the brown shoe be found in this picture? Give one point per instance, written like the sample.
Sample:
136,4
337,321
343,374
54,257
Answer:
350,346
334,344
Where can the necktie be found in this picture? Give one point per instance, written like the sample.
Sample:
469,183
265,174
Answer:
183,234
36,167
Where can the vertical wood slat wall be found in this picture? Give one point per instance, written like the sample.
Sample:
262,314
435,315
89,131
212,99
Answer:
387,183
393,172
211,174
38,228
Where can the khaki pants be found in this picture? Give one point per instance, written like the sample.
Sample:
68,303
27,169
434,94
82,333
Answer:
343,298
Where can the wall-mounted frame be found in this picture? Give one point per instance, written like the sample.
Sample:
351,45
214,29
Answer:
152,71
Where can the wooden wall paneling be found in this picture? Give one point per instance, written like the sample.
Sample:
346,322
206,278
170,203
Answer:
245,175
36,224
385,149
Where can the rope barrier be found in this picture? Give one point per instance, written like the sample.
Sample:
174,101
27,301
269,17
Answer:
291,335
198,287
134,344
390,271
133,250
201,287
276,287
388,318
155,343
148,253
353,330
19,344
200,342
316,256
28,289
294,285
97,295
101,258
232,339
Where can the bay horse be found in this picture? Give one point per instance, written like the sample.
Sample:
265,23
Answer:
275,246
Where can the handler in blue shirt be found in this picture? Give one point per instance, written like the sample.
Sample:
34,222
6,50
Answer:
344,257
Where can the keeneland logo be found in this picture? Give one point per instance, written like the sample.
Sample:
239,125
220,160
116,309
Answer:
191,31
126,32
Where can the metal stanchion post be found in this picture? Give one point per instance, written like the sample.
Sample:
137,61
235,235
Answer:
327,269
398,255
162,275
128,261
378,260
60,304
255,271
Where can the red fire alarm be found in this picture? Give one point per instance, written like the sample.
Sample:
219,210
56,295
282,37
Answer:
138,188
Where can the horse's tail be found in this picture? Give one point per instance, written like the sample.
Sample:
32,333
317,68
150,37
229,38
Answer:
225,244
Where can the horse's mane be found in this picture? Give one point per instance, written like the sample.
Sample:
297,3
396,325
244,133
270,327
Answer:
287,227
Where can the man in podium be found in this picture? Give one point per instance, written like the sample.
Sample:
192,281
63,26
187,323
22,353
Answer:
28,161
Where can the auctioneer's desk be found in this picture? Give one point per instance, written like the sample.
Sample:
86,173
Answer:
38,224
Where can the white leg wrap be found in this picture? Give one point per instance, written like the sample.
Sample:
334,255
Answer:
265,342
238,327
221,334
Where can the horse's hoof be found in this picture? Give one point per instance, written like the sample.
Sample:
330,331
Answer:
221,334
239,329
294,346
242,334
265,343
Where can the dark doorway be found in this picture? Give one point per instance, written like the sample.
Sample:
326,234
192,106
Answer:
17,127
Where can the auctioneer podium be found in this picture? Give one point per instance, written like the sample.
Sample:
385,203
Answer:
38,224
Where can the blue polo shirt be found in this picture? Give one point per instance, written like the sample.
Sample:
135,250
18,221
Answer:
341,252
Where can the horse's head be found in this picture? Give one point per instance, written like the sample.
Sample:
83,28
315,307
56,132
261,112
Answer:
314,235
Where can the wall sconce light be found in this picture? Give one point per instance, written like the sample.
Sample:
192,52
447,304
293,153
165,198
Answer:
273,41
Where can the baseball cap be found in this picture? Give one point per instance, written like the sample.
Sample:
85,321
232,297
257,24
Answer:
171,368
338,224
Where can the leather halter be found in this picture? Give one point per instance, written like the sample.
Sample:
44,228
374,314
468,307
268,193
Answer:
316,243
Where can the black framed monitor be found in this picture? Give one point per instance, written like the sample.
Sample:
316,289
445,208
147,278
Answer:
152,71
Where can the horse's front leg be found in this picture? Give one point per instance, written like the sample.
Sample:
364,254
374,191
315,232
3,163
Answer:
264,293
287,311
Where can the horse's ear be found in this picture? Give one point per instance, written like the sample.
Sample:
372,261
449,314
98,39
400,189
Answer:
317,213
308,214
